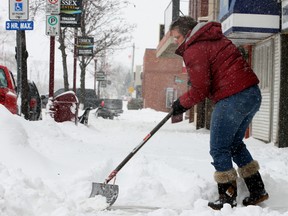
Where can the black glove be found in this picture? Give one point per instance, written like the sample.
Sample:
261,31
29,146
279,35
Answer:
178,108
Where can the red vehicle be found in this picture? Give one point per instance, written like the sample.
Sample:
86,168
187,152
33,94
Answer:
8,96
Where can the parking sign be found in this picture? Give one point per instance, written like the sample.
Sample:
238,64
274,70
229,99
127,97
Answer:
18,10
52,25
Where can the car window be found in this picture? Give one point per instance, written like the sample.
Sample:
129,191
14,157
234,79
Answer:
33,90
113,103
3,80
13,80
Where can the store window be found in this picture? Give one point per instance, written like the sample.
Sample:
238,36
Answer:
171,95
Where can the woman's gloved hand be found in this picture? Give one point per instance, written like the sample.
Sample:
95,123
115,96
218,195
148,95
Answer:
178,108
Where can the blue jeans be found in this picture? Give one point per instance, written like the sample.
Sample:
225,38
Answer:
230,119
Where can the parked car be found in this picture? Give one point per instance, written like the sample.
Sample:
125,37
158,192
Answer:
8,96
35,107
90,98
110,108
135,104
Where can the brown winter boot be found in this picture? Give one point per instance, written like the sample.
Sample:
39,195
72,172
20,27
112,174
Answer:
227,189
254,184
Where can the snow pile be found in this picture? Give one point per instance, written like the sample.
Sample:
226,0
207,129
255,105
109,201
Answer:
47,168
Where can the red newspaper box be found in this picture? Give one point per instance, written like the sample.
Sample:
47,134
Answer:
65,107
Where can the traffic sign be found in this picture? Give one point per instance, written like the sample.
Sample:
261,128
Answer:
52,25
100,76
131,89
18,10
19,25
53,7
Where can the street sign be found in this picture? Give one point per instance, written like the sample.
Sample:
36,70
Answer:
131,89
85,46
52,25
100,76
19,25
71,11
103,84
18,10
53,7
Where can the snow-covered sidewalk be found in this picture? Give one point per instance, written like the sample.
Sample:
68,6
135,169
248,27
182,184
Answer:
47,168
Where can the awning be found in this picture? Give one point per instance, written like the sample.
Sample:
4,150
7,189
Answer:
246,21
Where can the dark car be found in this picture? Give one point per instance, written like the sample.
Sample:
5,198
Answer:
90,98
8,96
110,108
34,100
135,104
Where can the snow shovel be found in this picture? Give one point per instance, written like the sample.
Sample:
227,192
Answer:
110,191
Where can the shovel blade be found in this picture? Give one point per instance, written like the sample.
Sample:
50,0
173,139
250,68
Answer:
107,190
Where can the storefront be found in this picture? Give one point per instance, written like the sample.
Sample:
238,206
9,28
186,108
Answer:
257,24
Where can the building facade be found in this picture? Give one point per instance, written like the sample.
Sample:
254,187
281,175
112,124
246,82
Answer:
260,29
162,80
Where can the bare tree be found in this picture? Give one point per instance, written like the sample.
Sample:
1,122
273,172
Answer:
7,57
62,48
117,77
102,19
36,6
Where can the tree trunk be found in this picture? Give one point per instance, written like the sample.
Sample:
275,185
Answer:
62,48
83,66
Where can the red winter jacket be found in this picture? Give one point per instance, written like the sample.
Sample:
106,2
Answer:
214,65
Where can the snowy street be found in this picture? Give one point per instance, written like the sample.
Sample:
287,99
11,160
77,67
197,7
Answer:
47,168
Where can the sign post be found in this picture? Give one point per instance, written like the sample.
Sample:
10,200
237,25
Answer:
18,12
52,30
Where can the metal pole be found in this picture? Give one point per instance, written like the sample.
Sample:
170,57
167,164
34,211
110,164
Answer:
52,65
98,89
95,72
19,60
132,66
19,70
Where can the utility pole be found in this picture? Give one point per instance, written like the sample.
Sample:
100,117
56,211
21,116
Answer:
132,65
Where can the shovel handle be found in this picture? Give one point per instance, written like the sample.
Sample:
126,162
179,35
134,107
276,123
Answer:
138,147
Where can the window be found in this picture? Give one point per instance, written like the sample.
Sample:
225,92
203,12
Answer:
170,97
3,80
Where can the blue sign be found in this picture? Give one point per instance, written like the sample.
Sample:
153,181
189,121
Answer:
19,25
18,7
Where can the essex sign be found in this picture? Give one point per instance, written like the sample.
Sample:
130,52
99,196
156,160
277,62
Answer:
18,10
70,11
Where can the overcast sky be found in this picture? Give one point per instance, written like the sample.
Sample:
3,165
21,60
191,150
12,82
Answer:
147,15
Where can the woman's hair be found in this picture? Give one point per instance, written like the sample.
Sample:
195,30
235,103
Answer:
183,24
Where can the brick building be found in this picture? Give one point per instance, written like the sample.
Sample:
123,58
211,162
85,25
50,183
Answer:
160,76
